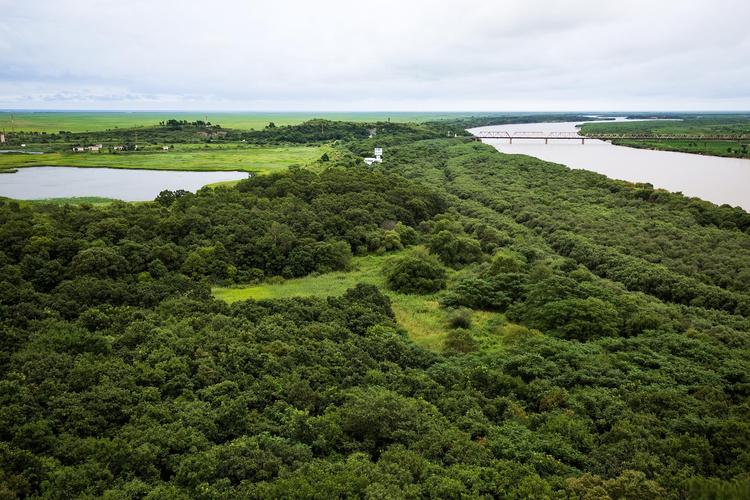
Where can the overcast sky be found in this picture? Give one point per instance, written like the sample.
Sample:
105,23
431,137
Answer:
490,55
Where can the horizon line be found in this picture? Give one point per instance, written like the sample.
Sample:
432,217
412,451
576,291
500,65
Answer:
64,110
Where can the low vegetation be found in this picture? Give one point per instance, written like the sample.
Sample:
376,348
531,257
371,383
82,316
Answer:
416,273
195,157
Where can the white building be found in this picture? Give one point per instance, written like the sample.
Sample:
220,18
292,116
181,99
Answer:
378,157
2,137
165,148
78,149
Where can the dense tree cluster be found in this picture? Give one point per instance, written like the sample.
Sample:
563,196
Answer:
416,272
319,130
288,225
360,136
175,124
618,369
170,132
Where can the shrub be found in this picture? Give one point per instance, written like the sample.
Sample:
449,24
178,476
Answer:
418,273
455,250
460,318
392,241
494,292
459,341
507,261
407,235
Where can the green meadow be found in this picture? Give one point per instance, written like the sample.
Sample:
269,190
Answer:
73,121
420,315
259,159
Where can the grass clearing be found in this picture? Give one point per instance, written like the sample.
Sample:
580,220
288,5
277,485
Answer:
364,270
420,315
195,157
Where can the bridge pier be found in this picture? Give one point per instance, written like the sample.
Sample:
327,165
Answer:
546,139
511,140
583,140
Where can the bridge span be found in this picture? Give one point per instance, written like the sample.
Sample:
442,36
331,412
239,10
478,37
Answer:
574,136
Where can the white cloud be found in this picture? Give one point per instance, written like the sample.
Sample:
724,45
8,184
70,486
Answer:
335,54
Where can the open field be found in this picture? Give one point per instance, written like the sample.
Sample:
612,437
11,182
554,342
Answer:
182,157
94,121
364,270
420,315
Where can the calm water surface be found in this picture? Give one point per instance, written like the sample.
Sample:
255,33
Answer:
719,180
35,183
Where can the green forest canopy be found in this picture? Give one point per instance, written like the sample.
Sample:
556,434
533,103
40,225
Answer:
621,369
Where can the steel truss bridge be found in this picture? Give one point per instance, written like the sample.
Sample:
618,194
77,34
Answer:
574,136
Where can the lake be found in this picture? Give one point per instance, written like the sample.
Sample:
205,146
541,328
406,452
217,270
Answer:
712,178
35,183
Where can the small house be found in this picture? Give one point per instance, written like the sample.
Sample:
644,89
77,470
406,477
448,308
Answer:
118,148
165,148
378,157
2,137
78,149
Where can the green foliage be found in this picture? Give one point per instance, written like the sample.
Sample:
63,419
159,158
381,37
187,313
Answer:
575,319
491,292
455,250
417,272
460,341
460,318
618,367
506,261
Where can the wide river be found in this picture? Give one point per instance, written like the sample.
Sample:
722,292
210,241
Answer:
720,180
33,183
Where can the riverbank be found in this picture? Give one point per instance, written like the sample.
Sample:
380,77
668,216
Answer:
722,149
55,183
713,178
713,126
